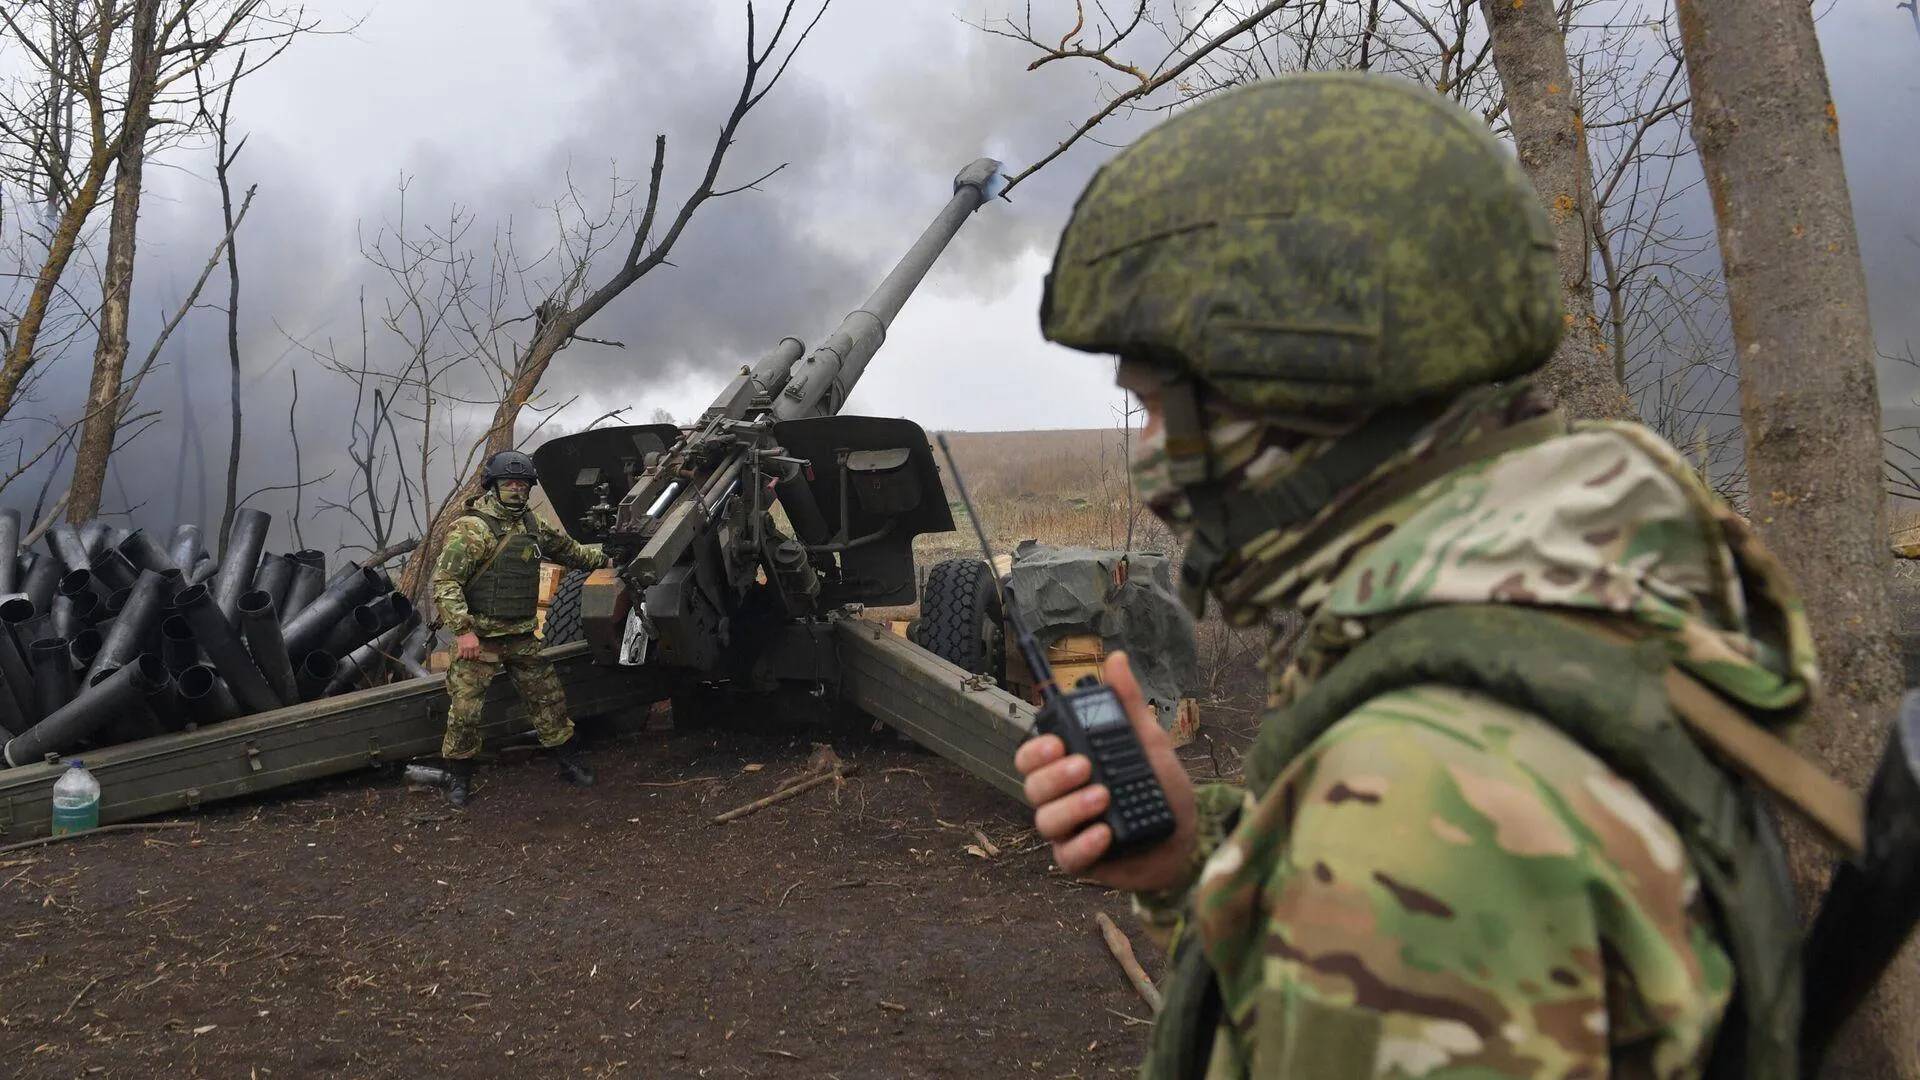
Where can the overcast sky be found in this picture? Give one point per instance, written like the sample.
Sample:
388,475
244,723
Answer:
887,100
493,111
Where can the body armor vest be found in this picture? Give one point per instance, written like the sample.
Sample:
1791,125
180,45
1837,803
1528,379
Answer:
1613,701
508,585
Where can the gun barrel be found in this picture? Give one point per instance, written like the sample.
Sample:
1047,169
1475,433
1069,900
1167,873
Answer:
819,384
769,373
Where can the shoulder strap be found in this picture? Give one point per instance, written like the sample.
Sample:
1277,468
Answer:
497,531
1835,811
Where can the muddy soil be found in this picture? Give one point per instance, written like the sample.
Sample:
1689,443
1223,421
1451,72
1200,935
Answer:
360,928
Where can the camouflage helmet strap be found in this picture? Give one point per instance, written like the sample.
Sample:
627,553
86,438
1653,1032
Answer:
1189,449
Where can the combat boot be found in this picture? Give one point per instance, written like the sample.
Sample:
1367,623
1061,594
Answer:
460,782
572,770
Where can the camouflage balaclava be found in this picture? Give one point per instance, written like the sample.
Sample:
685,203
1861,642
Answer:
1310,271
1267,493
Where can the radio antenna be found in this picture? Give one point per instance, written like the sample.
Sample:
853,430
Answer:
1029,646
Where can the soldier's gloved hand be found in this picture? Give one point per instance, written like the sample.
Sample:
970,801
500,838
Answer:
469,646
1062,805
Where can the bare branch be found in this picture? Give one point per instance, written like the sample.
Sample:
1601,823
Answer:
390,552
295,486
132,388
1145,89
561,311
293,439
39,530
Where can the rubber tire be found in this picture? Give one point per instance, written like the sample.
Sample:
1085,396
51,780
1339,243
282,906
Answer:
960,615
563,611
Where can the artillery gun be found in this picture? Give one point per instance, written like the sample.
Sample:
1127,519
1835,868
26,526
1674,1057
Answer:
745,547
740,542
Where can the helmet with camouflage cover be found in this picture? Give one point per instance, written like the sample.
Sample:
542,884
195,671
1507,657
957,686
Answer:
1320,246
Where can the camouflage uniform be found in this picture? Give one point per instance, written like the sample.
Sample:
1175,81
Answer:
505,643
1442,873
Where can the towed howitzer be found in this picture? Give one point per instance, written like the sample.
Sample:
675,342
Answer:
705,580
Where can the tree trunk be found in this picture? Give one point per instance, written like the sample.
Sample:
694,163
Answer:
233,321
1531,57
1769,142
547,341
22,348
102,422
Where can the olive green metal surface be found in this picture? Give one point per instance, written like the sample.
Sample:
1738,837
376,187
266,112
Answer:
960,716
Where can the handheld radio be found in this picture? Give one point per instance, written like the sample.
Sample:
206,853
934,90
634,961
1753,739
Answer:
1090,720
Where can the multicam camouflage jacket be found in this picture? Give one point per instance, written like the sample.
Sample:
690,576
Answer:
469,546
1443,885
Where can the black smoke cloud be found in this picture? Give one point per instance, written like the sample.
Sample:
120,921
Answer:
788,258
882,107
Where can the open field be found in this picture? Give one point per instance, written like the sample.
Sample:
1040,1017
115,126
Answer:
1060,487
361,928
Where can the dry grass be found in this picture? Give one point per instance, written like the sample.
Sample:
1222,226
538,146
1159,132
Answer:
1058,487
1903,519
1903,525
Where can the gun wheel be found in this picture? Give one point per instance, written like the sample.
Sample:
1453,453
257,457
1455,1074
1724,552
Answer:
960,617
563,612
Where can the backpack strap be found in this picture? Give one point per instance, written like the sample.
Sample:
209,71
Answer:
1835,811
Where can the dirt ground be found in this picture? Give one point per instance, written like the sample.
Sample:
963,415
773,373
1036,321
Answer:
361,928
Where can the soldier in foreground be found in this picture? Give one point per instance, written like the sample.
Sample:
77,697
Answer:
486,589
1472,840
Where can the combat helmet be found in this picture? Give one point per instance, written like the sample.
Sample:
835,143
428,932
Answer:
508,465
1319,246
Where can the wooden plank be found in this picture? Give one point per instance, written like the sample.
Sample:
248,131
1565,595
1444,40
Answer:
937,704
307,741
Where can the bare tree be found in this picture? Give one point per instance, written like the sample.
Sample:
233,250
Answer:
223,159
558,317
98,430
1544,114
433,361
118,408
79,56
1611,205
455,339
1769,139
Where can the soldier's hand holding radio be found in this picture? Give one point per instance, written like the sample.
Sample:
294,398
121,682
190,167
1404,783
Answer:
1065,803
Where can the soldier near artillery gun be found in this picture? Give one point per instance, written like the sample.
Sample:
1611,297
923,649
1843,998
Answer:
486,588
1481,831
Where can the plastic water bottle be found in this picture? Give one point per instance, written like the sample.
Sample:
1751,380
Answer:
76,800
